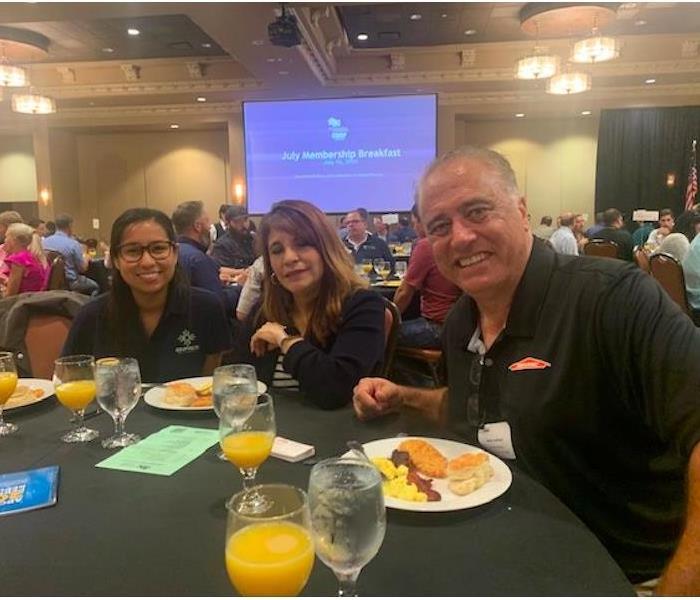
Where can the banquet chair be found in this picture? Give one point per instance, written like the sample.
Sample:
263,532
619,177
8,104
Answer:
392,321
602,248
641,258
669,273
57,274
429,356
44,339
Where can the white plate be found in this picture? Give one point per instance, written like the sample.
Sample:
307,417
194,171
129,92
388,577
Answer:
156,396
497,485
45,385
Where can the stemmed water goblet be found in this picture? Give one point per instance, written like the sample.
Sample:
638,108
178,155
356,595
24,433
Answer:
74,383
8,384
348,517
236,386
400,269
118,383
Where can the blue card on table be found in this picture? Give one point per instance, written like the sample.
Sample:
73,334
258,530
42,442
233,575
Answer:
27,490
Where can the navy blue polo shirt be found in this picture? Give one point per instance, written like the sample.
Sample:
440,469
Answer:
373,247
193,325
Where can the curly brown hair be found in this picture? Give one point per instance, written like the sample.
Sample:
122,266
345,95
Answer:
311,227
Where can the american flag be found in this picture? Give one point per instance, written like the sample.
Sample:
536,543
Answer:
692,189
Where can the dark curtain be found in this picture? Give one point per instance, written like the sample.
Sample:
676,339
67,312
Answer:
637,148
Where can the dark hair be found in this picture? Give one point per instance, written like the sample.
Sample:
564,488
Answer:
685,223
665,212
364,215
63,221
50,227
91,243
34,222
186,214
546,220
307,223
124,320
599,217
610,216
404,222
222,209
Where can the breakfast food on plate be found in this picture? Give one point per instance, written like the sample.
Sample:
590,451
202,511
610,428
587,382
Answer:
468,472
425,457
403,483
23,394
181,393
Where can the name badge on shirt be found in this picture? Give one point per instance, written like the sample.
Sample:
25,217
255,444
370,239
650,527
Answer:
496,438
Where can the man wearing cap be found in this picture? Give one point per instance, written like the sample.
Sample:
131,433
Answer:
235,249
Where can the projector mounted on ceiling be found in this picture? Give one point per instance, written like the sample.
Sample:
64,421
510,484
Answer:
283,31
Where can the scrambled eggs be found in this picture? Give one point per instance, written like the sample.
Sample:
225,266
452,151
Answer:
395,483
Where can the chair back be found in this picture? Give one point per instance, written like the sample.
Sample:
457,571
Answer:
669,273
44,339
642,259
57,274
392,321
602,248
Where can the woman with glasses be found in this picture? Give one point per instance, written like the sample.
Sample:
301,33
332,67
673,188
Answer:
318,330
151,312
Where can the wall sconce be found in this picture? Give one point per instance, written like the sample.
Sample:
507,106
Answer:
670,180
238,191
45,196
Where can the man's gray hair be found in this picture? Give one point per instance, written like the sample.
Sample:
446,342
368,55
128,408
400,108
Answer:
493,159
186,214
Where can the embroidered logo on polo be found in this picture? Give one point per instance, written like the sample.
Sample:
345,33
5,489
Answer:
529,364
187,340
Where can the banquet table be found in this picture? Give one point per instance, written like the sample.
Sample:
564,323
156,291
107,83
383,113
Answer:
120,533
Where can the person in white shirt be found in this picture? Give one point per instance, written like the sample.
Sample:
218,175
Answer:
563,239
666,224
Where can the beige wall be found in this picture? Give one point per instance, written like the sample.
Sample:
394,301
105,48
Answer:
17,170
554,160
158,170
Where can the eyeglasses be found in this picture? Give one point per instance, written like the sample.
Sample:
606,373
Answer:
476,414
134,252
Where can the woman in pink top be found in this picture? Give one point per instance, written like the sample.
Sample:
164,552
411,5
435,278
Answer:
25,263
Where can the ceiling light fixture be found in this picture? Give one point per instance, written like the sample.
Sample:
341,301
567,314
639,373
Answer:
108,50
519,115
444,15
585,112
640,23
363,37
470,32
650,81
537,66
174,126
206,45
33,104
258,42
569,83
133,31
595,49
416,17
11,76
201,99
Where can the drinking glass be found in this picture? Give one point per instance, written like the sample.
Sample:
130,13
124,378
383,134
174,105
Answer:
270,553
247,446
401,269
348,518
118,382
74,382
237,387
8,383
367,266
379,265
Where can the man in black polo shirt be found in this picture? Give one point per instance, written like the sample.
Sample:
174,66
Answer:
235,249
580,369
614,232
362,244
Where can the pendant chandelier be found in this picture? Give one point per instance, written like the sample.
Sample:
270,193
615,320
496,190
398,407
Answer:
537,66
595,49
573,82
33,104
11,76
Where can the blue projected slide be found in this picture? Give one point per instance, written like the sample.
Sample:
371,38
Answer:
339,153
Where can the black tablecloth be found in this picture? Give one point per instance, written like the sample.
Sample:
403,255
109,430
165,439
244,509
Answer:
118,533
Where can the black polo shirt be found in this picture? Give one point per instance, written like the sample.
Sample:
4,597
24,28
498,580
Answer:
192,326
373,247
609,420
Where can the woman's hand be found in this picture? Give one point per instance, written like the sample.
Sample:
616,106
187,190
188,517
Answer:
267,338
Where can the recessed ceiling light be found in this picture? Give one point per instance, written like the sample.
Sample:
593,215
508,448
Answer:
201,99
91,104
363,37
519,115
444,15
650,81
108,50
585,112
133,31
283,72
258,42
628,5
470,32
174,126
206,45
640,22
271,59
416,17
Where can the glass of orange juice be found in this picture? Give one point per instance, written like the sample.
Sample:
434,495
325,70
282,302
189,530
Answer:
74,382
8,383
270,553
247,446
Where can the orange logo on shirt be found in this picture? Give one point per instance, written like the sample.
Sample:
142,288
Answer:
528,364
